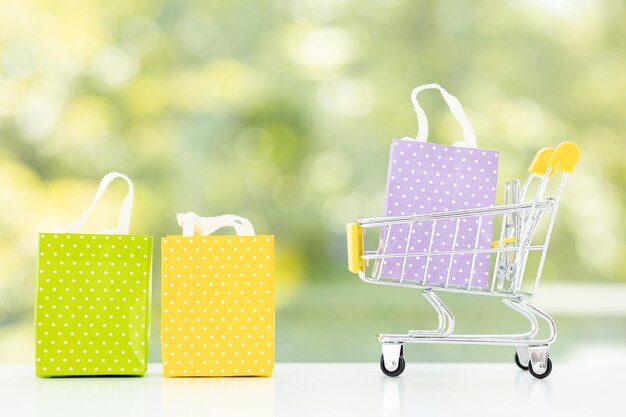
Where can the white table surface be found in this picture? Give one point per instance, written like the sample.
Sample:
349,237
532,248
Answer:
325,390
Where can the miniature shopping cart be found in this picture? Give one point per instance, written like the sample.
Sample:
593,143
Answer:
524,226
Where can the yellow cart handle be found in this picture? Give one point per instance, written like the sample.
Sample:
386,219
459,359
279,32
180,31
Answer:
565,157
539,165
354,233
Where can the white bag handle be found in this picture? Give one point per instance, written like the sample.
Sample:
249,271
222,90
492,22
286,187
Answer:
193,225
469,138
123,222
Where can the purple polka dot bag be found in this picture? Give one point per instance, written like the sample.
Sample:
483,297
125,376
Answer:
428,178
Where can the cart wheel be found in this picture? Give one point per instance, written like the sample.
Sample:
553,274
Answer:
395,372
545,373
519,365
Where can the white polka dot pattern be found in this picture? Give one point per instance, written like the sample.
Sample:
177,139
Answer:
217,301
93,304
428,178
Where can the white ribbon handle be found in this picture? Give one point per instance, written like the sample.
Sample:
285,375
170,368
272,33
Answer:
469,138
123,221
202,226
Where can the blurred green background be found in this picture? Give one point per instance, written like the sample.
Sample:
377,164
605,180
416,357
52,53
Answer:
283,111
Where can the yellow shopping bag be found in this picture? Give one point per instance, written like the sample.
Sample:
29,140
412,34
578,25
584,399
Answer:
217,300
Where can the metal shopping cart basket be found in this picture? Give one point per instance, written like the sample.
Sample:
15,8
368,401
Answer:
525,226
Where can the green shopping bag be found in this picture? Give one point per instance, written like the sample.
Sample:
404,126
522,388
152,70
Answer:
93,298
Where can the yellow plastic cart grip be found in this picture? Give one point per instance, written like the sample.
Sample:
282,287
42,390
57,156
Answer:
565,157
539,165
496,243
354,234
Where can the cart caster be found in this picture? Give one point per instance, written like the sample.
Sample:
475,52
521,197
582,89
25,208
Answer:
396,372
539,363
391,361
519,364
542,373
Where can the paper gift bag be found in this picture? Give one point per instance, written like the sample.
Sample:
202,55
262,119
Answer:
93,298
428,178
217,300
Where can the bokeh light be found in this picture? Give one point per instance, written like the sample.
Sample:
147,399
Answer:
283,111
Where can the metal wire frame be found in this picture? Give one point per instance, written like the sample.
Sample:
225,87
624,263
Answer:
527,216
381,254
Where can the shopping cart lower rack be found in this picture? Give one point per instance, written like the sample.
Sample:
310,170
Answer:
525,229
